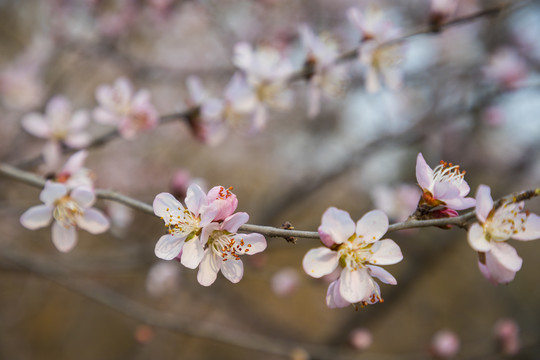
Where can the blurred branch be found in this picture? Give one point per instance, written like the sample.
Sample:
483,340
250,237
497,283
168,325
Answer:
460,221
305,73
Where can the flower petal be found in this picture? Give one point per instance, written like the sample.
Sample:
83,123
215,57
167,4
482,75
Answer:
459,203
192,253
232,269
168,247
495,271
484,203
233,222
208,230
208,268
532,229
333,296
195,199
477,238
386,252
85,197
382,274
167,207
64,238
336,226
253,243
372,226
354,285
37,217
320,261
52,192
75,162
93,221
424,174
36,125
506,255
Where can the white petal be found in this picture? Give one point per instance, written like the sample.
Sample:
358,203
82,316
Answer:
64,238
477,238
36,125
336,226
208,268
232,269
386,252
107,117
52,152
372,226
233,222
495,271
37,217
165,205
424,174
532,229
208,230
333,296
83,196
484,202
52,192
168,247
253,243
93,221
506,255
75,162
192,253
195,199
382,274
77,140
79,120
354,285
319,262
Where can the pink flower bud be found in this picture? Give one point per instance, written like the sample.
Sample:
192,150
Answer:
361,338
224,199
445,344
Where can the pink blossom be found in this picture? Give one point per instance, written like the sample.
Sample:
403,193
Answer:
285,281
506,68
163,278
399,202
223,247
119,106
356,248
74,174
445,185
70,209
223,199
445,344
506,333
58,125
361,338
499,261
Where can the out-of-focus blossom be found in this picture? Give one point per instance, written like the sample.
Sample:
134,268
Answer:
70,209
223,247
58,125
285,281
494,116
361,338
267,72
398,203
445,344
130,112
185,225
499,261
326,77
380,59
74,174
506,68
506,332
163,278
445,185
182,180
356,248
121,217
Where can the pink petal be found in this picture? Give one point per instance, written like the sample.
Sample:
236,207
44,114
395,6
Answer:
209,268
64,238
52,153
75,162
333,296
37,217
167,207
223,200
386,252
83,196
104,96
168,246
93,221
232,269
36,125
124,88
424,174
58,107
445,191
253,243
336,227
233,222
532,229
52,192
382,274
103,116
195,199
192,253
77,140
477,238
496,272
354,285
372,226
506,255
484,203
141,98
459,203
320,261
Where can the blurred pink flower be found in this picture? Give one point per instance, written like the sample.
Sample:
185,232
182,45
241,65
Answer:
163,278
356,248
445,344
506,68
71,209
182,180
506,333
285,281
74,174
361,338
398,202
499,261
119,106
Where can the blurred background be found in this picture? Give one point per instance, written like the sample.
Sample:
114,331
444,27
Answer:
471,96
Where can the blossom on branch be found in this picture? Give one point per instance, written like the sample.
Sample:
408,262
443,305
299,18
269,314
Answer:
444,189
70,209
74,174
130,112
506,68
499,261
59,125
358,249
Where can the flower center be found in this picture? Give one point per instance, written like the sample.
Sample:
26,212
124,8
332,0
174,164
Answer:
448,172
506,221
224,193
224,245
181,222
354,253
66,211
